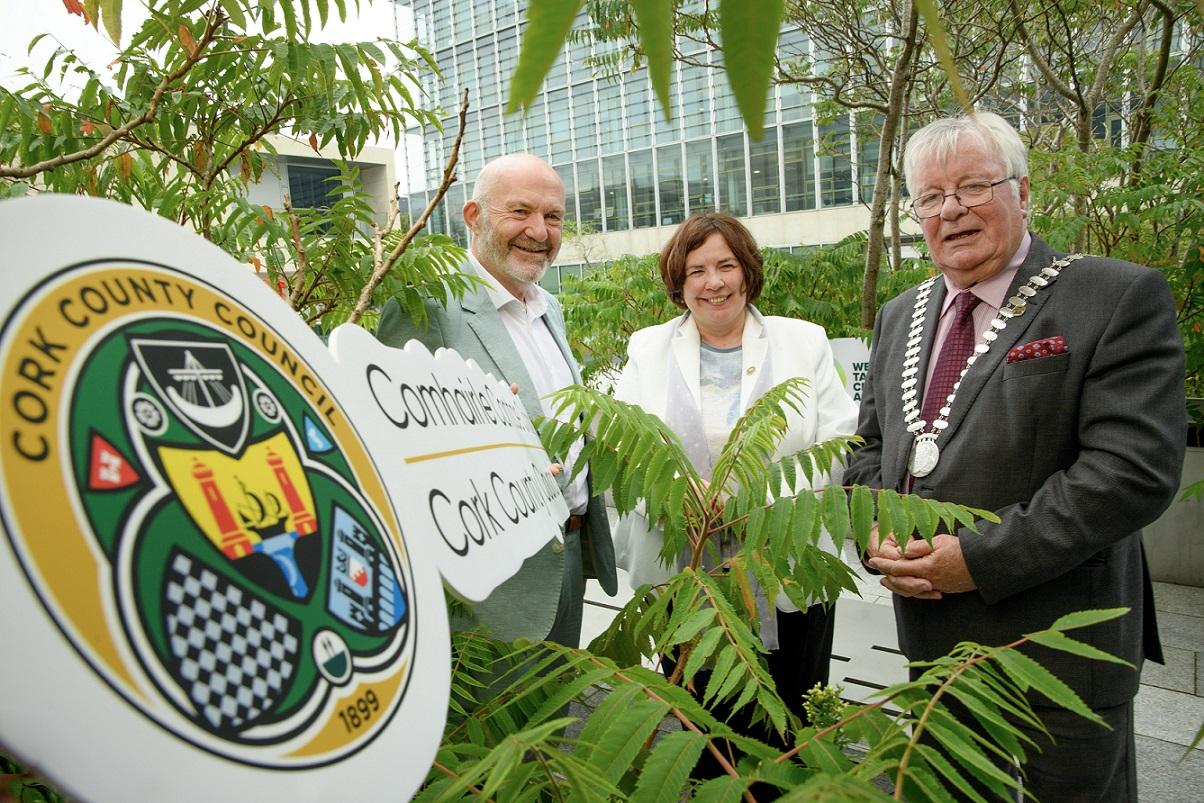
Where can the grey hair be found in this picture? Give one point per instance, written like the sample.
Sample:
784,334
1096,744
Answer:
939,141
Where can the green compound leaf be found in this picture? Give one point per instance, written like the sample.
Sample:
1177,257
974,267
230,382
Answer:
548,25
749,29
655,23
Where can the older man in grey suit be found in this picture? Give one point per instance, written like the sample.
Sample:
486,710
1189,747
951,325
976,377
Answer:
514,329
1049,389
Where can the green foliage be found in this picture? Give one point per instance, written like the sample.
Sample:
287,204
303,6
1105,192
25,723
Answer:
750,35
548,26
638,734
757,521
655,21
1154,218
185,123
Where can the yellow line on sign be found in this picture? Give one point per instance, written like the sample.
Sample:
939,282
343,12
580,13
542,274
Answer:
420,458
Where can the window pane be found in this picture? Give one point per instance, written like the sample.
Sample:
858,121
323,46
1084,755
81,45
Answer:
763,161
551,280
447,93
461,20
504,9
560,126
570,196
670,180
610,118
614,173
867,166
700,175
437,222
696,109
483,16
798,163
727,114
643,190
584,128
669,130
466,76
513,125
835,165
537,129
491,135
733,191
441,25
487,72
417,204
589,195
558,76
639,122
309,187
454,204
507,58
470,146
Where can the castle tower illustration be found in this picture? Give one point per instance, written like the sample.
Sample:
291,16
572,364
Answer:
304,522
233,541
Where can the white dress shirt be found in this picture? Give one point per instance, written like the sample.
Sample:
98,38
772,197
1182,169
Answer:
527,326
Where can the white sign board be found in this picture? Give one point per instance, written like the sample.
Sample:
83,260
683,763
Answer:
207,590
852,363
475,481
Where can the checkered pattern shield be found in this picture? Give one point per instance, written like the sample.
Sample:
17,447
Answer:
234,654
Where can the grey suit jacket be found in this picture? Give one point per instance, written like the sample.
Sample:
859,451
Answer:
525,605
1075,453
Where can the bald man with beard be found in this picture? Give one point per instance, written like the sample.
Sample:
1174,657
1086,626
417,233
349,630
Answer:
514,329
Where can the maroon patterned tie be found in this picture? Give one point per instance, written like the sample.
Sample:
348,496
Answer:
959,343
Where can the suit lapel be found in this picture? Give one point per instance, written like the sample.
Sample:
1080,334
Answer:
685,352
754,346
1039,256
485,322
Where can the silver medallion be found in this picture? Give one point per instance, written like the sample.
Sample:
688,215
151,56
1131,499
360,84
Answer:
924,456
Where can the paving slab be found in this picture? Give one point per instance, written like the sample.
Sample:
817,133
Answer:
1171,716
1181,630
1177,674
1165,775
1173,598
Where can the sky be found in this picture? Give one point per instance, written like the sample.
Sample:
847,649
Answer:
22,20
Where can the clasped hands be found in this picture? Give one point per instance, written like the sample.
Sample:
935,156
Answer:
922,570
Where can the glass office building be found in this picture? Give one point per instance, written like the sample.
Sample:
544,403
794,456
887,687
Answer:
629,173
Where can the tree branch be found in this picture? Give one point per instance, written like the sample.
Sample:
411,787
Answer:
118,133
382,269
294,230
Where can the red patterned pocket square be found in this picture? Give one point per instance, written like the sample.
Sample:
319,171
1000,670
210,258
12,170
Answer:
1045,347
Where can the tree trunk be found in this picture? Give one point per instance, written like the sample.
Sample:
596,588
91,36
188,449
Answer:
873,248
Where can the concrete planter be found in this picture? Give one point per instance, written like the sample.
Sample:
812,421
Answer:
1174,543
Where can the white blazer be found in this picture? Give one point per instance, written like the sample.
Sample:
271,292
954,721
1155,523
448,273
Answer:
797,348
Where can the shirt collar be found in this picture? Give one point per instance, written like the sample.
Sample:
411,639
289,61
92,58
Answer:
531,307
994,290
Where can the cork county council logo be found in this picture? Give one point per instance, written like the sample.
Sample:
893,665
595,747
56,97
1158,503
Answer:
199,517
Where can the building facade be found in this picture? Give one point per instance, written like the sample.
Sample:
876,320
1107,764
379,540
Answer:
631,174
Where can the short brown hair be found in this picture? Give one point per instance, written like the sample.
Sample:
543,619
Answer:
692,234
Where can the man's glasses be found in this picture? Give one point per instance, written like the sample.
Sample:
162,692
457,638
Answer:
976,193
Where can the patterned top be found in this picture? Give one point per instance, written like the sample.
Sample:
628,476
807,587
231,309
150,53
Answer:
719,383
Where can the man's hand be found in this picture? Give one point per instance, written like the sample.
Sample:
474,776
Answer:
887,548
926,571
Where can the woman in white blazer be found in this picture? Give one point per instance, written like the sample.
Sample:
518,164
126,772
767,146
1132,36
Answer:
699,373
